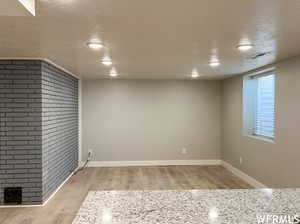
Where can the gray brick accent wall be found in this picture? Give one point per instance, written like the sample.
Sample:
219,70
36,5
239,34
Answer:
38,128
21,129
59,125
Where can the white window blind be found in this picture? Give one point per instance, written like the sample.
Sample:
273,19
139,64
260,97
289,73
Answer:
265,106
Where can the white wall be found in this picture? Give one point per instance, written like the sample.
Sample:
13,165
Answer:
151,119
273,164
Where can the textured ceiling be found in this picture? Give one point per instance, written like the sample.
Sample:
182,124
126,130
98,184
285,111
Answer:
17,8
156,38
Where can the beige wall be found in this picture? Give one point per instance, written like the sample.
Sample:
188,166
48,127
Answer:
151,119
274,164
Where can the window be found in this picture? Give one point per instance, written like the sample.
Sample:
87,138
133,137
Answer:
259,104
265,107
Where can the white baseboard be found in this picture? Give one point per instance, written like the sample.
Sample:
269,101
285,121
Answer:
151,163
20,206
45,202
243,176
60,186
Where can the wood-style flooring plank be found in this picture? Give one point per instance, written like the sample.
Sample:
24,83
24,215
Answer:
62,208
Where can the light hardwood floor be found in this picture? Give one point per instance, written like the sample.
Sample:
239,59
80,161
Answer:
62,208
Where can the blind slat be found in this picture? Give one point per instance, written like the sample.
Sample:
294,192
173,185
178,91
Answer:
265,106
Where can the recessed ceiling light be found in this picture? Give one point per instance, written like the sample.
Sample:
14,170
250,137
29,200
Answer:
195,73
95,45
214,63
113,72
244,47
106,61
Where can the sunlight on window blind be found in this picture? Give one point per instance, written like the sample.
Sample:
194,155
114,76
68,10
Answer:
265,106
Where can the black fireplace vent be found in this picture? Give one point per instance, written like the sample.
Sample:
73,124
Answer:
13,195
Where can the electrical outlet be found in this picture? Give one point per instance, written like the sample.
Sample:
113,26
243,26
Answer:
90,154
241,160
183,151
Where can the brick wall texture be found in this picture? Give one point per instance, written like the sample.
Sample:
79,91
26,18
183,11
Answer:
38,128
59,126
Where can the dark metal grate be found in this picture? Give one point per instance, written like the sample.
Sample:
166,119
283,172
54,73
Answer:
13,195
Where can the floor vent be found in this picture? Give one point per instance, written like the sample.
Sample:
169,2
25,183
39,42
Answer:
13,195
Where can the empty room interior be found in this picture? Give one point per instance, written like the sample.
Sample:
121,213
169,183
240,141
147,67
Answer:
149,112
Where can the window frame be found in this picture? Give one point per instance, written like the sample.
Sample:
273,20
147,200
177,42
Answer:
250,104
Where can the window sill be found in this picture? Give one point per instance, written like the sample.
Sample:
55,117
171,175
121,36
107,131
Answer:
261,138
